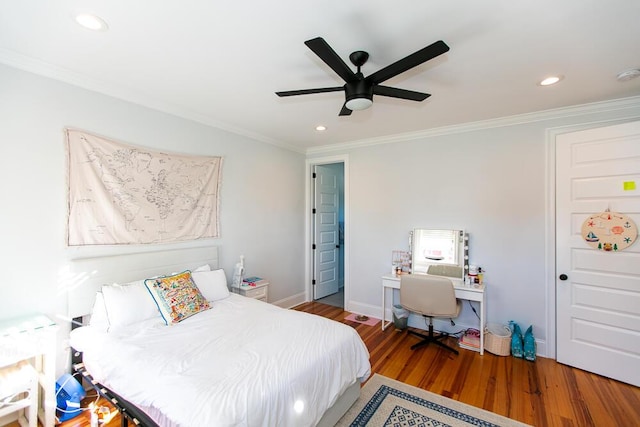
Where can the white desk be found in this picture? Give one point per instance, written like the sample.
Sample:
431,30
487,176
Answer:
467,292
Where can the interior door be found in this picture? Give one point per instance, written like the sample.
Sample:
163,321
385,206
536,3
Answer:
597,291
326,237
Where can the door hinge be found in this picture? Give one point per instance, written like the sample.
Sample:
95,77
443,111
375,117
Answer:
314,175
313,282
313,246
313,211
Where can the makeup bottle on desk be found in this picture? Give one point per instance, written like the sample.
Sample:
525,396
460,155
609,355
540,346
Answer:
473,275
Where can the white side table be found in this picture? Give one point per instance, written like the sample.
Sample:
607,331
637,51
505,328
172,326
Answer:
19,382
33,339
259,291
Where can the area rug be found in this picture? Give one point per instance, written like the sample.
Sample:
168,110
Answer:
386,402
371,321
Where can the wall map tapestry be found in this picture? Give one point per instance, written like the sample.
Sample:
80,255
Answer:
119,194
609,231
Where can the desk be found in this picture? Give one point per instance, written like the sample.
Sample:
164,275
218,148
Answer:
467,292
33,339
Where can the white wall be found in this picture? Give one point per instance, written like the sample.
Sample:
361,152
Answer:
262,195
493,182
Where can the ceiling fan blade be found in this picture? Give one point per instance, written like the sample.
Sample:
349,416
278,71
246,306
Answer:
310,91
345,111
331,58
400,93
408,62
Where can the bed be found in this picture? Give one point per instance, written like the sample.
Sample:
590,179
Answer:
237,362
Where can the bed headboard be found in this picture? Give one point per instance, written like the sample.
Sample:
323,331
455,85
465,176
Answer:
87,275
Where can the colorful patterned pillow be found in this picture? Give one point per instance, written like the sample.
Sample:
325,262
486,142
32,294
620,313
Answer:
176,296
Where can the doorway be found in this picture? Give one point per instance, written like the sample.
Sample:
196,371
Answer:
326,249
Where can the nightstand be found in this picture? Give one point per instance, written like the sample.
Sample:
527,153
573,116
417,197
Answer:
259,291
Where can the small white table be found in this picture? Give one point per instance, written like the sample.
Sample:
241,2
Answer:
33,339
260,291
466,292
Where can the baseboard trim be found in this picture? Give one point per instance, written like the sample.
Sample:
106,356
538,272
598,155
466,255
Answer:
291,301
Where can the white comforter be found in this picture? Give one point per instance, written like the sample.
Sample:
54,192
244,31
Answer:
241,363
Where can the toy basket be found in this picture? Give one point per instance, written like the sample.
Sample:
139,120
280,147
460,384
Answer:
497,339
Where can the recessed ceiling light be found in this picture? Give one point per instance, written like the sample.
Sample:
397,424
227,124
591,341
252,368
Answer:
321,128
550,80
91,22
628,75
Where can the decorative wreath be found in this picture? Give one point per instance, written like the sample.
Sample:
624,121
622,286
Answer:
609,231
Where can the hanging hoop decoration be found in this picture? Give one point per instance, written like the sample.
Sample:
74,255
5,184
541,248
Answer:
609,231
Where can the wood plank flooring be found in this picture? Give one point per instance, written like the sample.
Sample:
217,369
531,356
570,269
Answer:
540,393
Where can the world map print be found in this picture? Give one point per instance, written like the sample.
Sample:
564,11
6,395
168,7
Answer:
120,194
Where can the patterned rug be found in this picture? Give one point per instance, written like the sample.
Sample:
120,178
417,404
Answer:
386,402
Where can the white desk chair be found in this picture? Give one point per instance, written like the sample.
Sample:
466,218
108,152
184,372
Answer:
430,296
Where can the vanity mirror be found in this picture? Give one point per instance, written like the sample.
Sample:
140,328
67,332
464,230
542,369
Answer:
447,250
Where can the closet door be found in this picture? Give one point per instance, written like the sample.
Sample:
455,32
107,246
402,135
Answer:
598,291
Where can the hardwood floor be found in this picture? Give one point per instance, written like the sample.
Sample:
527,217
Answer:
540,393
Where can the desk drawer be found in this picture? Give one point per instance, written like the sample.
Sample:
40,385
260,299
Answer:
14,348
389,283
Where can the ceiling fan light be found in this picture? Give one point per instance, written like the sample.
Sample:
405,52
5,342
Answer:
356,104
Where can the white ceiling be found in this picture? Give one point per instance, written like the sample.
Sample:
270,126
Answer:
221,62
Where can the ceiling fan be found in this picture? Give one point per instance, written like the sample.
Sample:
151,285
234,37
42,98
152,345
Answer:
359,90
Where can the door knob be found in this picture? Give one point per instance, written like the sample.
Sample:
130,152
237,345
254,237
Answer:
563,277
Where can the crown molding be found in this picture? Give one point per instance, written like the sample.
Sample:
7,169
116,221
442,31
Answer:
574,110
45,69
35,66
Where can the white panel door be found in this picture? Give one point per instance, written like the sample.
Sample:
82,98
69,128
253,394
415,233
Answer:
326,237
598,292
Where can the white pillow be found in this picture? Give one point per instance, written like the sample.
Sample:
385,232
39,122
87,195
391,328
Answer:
212,284
128,303
205,267
99,318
